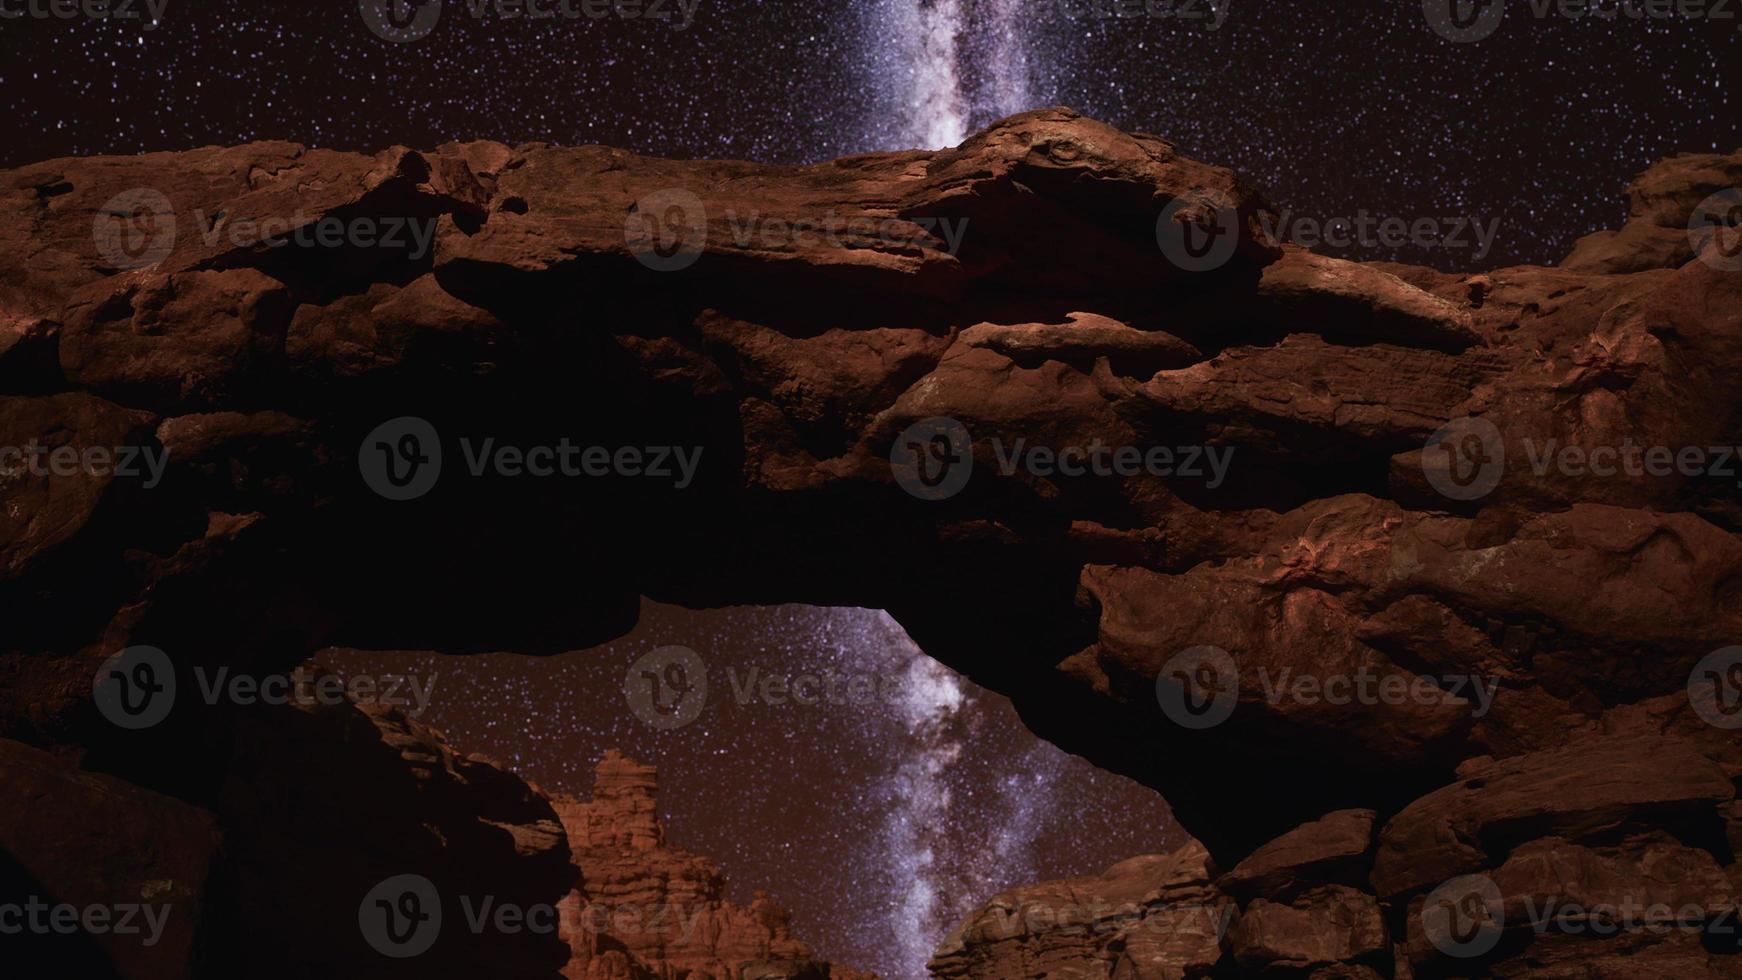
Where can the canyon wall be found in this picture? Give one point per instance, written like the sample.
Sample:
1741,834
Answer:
1352,584
647,910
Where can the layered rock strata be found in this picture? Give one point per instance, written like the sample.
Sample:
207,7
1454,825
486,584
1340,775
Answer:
1354,496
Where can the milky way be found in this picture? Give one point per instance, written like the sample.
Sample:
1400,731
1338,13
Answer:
880,821
947,67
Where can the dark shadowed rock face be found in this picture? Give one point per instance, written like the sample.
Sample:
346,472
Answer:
793,323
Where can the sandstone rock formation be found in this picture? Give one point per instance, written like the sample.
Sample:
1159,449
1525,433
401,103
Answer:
1659,203
1543,626
1150,916
645,910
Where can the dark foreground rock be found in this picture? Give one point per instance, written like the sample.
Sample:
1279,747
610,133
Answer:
1321,565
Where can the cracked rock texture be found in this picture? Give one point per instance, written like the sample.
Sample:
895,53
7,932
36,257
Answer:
792,323
643,909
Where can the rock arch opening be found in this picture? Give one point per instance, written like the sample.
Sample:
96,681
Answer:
803,762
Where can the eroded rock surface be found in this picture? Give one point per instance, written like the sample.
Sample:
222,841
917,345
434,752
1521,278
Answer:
1298,490
643,908
1155,917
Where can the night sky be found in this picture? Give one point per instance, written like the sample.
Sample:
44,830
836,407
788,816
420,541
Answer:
1332,107
880,821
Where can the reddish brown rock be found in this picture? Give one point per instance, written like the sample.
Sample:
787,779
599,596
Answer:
1355,302
1084,338
1659,202
1673,956
108,879
1332,848
644,908
1155,917
1321,927
827,309
1471,824
51,481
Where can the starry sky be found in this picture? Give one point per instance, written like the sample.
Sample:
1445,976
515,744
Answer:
1331,107
880,821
